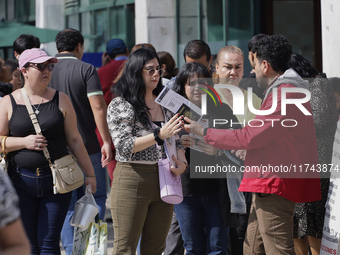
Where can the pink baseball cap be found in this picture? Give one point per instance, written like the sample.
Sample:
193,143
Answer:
36,56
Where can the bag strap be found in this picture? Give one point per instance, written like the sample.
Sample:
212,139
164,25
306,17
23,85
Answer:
35,122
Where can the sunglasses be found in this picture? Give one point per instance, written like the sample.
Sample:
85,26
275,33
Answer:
152,72
41,67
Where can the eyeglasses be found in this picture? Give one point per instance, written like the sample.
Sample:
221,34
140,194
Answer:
152,72
196,83
41,67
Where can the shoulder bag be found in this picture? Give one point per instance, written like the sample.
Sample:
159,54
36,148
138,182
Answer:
67,175
170,185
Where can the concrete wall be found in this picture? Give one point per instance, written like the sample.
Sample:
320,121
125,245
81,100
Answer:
50,14
330,20
156,24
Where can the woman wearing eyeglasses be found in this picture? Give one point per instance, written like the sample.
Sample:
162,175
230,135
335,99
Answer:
135,123
204,215
42,212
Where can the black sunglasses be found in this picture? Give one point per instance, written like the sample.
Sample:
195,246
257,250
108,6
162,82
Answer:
41,67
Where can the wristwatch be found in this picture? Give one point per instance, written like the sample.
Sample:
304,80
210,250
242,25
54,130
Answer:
156,137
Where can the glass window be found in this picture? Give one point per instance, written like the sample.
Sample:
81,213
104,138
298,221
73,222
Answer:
239,20
212,24
86,29
84,2
25,11
130,26
118,23
122,24
101,30
299,30
3,10
73,21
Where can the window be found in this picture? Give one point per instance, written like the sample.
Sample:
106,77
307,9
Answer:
25,11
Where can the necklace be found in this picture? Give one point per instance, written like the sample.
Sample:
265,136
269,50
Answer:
36,108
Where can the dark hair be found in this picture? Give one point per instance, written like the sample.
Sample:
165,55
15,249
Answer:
131,85
143,45
196,49
213,63
25,42
68,39
13,64
252,42
189,70
302,66
166,58
276,50
335,83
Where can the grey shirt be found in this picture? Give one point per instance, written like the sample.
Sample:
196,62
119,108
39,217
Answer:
79,80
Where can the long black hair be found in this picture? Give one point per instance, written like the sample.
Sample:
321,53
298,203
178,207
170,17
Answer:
302,66
189,70
131,85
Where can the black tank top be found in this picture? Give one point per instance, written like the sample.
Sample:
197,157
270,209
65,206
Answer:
51,121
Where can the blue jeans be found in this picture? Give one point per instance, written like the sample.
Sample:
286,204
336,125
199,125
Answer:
237,199
201,224
100,197
42,212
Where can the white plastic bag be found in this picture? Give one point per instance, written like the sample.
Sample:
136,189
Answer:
85,210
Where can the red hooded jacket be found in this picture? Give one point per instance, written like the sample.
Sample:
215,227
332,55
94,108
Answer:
283,157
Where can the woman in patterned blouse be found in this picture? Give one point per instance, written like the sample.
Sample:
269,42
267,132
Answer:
135,123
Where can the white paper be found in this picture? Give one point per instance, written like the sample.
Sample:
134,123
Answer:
174,102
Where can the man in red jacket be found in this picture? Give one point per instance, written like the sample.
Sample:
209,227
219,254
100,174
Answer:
281,151
113,61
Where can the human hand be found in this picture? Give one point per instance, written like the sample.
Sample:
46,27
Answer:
105,58
106,154
181,167
172,127
93,182
206,148
193,127
240,153
35,142
187,141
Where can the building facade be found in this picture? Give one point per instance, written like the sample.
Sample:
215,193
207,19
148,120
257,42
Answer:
311,25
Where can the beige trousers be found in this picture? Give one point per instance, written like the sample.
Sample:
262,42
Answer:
137,209
270,226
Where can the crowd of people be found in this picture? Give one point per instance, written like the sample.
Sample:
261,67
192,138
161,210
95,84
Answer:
109,120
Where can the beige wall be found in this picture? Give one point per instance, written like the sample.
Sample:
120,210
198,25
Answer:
155,23
50,14
330,21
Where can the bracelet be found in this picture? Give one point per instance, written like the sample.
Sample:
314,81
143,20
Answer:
90,176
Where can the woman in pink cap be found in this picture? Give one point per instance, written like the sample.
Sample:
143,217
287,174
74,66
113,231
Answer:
42,212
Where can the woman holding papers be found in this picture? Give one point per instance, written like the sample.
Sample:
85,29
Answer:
204,215
135,123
